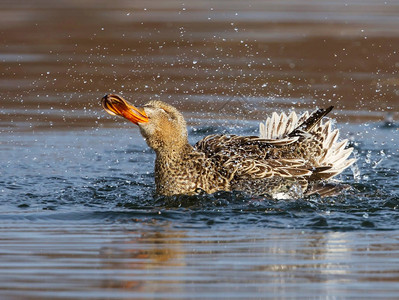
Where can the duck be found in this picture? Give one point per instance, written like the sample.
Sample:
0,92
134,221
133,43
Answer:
293,156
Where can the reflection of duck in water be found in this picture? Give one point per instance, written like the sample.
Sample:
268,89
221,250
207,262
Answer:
292,157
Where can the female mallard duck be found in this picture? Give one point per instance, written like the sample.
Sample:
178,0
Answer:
293,156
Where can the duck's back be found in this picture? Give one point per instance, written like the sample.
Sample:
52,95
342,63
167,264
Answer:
290,152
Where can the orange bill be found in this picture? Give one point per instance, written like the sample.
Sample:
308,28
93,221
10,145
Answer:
116,105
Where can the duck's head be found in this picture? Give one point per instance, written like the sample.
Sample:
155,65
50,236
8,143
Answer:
161,124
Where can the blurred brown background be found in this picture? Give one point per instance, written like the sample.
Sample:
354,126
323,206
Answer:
58,58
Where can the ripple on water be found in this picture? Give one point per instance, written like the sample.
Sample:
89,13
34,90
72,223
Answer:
118,200
74,173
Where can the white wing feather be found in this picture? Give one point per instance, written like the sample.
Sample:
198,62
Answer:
335,153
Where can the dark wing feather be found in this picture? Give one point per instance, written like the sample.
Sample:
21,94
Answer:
310,123
251,157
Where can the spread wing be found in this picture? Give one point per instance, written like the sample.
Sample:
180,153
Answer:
288,146
331,152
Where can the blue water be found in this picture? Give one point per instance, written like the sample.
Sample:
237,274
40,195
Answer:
79,218
49,174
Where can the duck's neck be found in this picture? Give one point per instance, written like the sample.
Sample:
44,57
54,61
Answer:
174,154
170,168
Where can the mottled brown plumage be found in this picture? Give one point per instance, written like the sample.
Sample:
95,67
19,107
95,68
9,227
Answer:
292,157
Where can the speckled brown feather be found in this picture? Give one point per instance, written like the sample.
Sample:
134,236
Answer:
188,172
